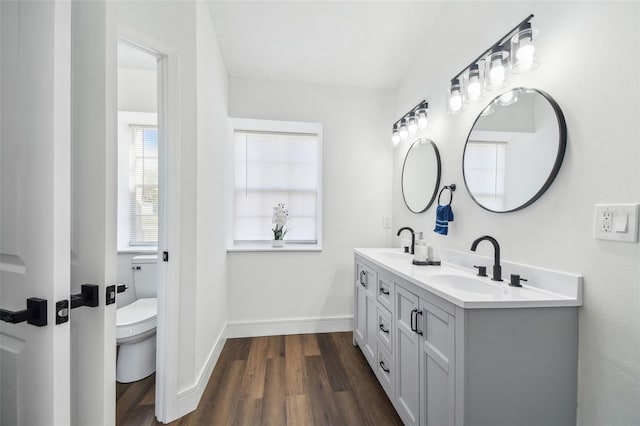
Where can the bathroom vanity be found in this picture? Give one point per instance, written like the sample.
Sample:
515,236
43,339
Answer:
451,348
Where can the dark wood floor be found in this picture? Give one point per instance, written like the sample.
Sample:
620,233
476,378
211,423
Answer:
310,379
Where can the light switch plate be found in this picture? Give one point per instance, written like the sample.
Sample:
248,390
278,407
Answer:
386,222
616,222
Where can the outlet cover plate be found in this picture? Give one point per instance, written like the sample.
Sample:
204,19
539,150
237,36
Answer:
616,222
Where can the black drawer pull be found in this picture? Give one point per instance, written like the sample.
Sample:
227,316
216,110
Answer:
383,291
418,313
363,279
385,369
383,330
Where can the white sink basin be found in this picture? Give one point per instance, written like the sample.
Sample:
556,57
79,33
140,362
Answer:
468,284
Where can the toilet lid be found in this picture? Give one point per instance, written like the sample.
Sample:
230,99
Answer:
139,311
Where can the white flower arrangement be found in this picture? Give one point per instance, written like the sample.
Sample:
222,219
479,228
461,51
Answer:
280,218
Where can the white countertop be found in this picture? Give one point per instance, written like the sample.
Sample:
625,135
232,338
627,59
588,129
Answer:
460,286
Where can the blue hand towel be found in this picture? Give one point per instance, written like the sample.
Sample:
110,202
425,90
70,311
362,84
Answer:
444,215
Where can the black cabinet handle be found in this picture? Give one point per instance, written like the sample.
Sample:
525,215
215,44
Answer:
385,369
383,291
383,330
413,312
363,279
418,313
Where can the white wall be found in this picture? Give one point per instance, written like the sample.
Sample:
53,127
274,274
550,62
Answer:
584,49
212,144
137,90
186,27
267,286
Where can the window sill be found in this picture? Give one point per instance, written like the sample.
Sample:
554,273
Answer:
266,247
137,250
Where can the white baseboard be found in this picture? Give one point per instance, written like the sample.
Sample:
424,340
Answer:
189,398
289,326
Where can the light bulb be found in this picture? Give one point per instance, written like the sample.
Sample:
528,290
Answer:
455,102
473,90
395,138
497,74
404,132
413,126
422,121
454,96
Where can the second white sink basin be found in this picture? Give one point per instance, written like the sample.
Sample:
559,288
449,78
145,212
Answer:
468,284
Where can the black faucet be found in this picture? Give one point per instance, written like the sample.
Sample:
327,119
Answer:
497,269
413,237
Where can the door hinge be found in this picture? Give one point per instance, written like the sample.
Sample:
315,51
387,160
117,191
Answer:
165,256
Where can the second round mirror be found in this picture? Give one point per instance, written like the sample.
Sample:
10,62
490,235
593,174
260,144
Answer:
421,175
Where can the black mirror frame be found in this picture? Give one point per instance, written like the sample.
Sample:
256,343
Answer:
562,146
437,185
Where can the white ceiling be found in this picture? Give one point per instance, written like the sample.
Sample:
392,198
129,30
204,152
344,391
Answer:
351,44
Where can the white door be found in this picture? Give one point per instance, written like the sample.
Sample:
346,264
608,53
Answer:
34,209
93,211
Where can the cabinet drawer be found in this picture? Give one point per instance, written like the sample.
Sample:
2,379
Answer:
385,292
385,328
366,277
384,371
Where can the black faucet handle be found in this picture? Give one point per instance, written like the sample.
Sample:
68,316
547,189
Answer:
482,271
515,280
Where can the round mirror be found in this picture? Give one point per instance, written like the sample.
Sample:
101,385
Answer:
421,175
514,150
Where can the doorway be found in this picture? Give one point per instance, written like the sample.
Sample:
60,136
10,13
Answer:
138,197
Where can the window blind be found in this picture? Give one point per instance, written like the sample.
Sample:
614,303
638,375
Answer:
272,168
485,168
144,186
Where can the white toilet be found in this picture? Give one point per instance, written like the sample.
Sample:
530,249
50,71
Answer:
136,323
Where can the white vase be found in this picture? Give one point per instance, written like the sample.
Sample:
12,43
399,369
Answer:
277,243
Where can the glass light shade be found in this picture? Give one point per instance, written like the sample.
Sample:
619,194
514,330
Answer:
422,118
404,132
475,84
497,68
455,102
508,98
413,125
523,50
395,138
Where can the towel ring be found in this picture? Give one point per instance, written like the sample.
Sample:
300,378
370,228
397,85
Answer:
451,188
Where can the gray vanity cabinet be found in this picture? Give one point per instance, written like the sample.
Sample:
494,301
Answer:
425,359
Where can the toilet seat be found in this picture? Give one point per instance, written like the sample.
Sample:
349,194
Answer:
136,318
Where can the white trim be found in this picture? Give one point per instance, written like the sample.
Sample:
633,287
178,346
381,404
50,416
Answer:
169,217
253,247
279,327
188,399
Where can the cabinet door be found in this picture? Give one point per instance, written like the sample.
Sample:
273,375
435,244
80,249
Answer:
371,340
436,365
360,315
407,356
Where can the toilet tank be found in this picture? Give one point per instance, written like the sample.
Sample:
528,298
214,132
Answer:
145,275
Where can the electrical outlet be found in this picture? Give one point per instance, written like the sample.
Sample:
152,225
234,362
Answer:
386,222
616,222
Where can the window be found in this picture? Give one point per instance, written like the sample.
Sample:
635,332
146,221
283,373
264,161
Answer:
137,181
277,162
485,164
144,186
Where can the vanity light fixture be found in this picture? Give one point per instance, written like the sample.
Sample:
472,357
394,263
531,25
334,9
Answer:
409,124
514,52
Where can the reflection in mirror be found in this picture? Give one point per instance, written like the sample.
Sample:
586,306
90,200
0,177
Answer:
421,175
514,150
